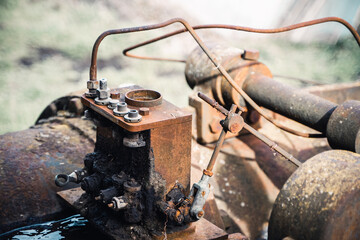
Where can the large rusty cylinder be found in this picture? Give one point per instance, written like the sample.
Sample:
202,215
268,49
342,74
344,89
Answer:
301,106
340,123
321,200
201,72
30,159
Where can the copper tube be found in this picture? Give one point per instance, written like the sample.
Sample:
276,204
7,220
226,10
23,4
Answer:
240,28
219,143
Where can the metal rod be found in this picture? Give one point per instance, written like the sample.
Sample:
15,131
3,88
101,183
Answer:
213,103
219,142
273,145
240,28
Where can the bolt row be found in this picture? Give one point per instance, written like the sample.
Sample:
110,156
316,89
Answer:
101,93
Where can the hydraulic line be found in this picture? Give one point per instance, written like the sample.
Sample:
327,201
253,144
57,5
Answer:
240,28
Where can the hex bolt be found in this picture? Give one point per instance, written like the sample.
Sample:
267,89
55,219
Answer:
92,85
115,95
133,113
133,116
144,111
121,109
103,84
103,93
113,103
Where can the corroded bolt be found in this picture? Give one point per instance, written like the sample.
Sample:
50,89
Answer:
113,103
103,84
103,93
121,109
200,214
111,205
97,198
144,111
133,116
115,95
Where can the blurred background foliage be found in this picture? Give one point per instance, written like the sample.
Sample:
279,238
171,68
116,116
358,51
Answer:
45,49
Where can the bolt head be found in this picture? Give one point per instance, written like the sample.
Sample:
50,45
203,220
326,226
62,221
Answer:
103,84
144,111
115,95
103,94
92,84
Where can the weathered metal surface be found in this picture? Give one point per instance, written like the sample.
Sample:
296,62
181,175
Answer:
30,159
320,200
200,70
162,115
343,129
308,109
201,75
172,151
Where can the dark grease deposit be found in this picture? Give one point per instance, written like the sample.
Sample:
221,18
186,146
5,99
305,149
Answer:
73,228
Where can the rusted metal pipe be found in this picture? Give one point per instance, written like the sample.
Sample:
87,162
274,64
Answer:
240,28
303,107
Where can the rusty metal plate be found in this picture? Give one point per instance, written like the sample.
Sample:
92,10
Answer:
159,116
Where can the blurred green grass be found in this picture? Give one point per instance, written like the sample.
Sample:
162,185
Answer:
46,45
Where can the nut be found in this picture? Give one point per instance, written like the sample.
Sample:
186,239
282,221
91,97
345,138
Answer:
102,94
113,103
133,116
115,95
103,84
144,111
121,109
92,84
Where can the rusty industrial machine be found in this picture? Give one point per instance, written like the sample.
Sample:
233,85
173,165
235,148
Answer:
136,183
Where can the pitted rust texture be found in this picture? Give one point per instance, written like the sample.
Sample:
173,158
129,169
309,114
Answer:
201,72
30,159
314,202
